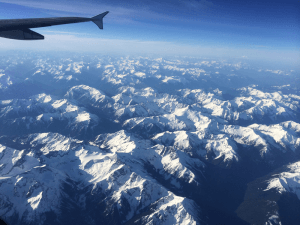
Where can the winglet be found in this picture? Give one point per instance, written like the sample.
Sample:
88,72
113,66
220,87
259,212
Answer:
98,20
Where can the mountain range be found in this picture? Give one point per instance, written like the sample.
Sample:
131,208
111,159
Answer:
145,140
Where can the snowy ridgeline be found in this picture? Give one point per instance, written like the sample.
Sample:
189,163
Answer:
111,169
119,170
126,140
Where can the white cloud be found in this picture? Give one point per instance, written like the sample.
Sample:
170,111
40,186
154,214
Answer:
54,5
63,32
124,13
70,42
80,8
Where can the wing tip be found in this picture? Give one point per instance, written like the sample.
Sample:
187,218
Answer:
98,20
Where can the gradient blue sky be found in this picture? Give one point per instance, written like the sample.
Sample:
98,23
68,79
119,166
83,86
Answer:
231,28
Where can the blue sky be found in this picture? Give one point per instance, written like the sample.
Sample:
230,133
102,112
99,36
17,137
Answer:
266,29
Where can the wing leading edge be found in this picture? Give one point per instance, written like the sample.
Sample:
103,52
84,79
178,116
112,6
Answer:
19,29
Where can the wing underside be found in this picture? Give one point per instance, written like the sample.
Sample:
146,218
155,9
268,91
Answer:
25,34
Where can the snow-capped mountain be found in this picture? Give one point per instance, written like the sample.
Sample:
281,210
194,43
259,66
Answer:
42,112
277,194
140,140
53,172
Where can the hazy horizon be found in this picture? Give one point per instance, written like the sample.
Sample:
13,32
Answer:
266,31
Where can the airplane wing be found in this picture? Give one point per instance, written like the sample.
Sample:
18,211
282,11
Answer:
20,28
